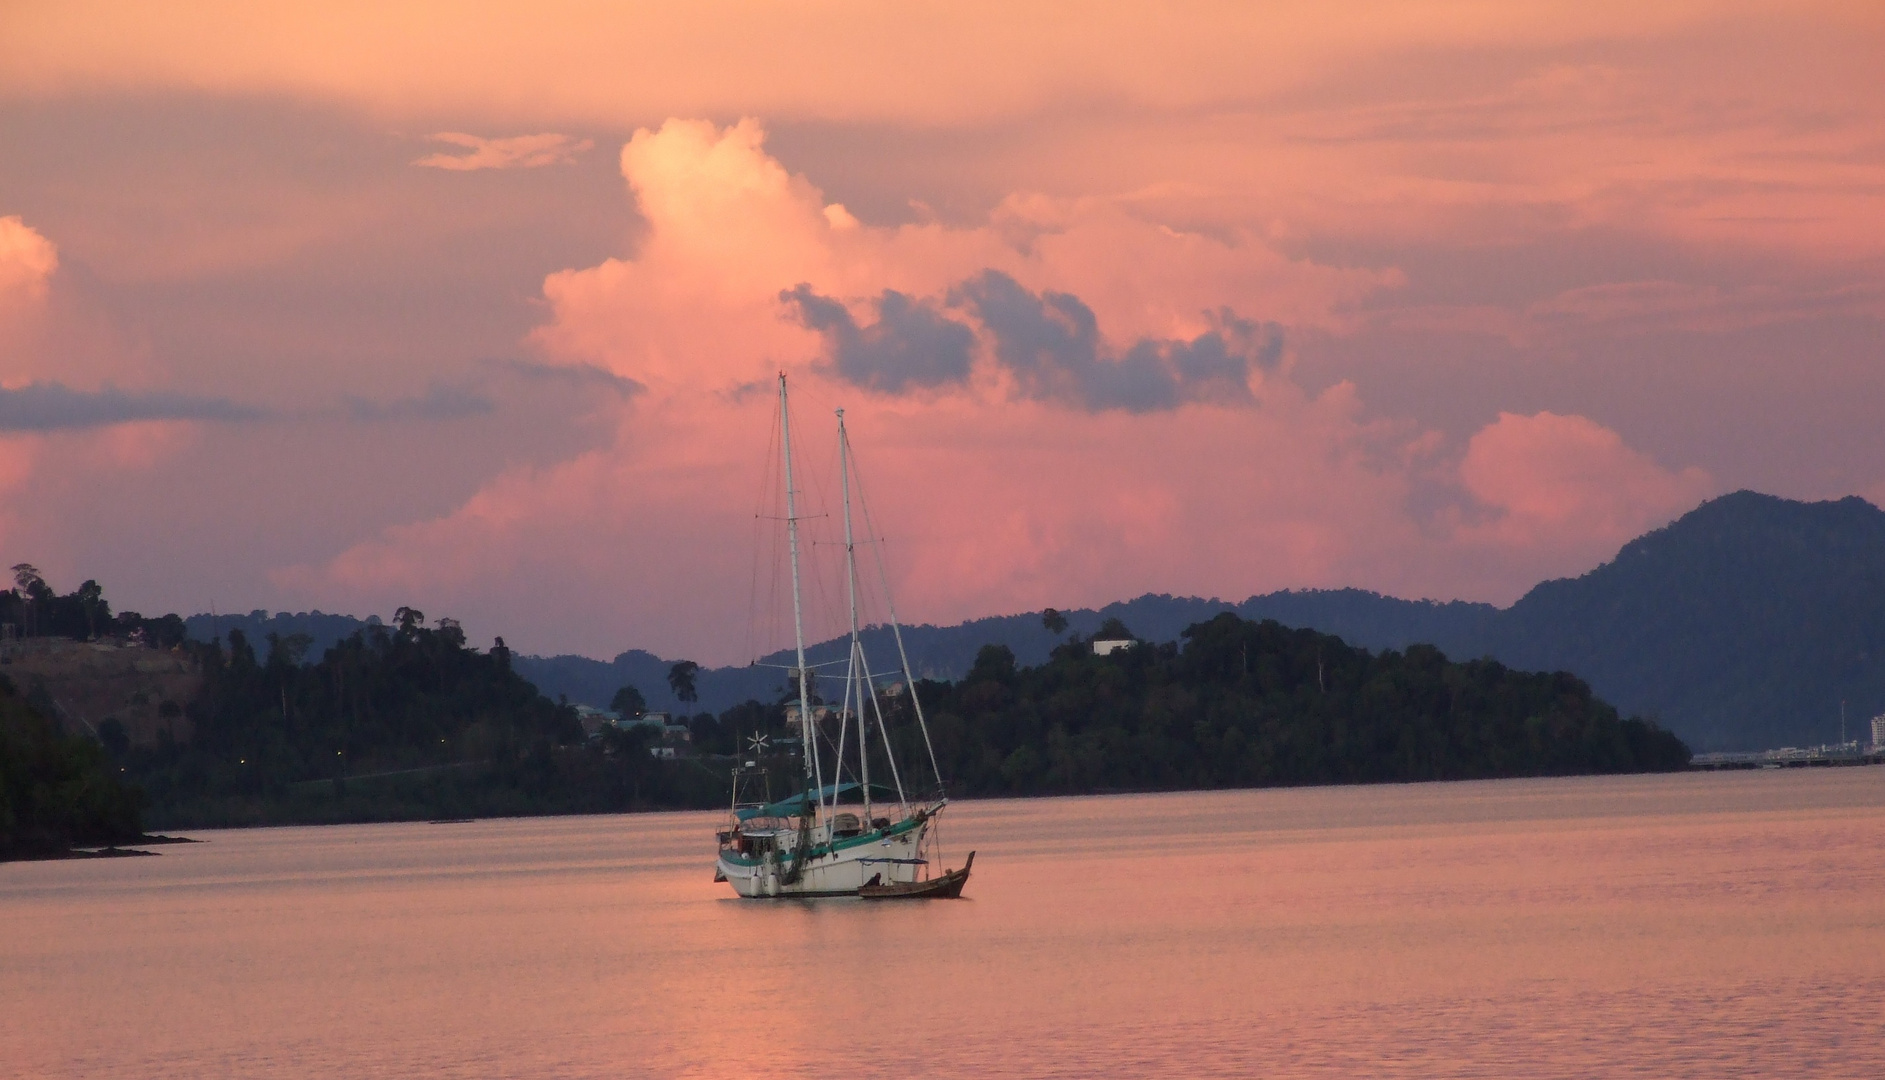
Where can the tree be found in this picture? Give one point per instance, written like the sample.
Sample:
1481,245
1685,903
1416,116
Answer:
91,599
31,585
628,702
681,680
452,633
1054,621
409,621
287,651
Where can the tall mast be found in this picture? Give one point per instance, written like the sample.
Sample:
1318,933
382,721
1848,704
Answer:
858,671
798,615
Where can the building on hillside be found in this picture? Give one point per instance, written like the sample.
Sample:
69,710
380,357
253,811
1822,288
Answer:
820,714
594,720
1112,645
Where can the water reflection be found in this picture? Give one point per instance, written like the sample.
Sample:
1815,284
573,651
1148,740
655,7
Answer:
1694,925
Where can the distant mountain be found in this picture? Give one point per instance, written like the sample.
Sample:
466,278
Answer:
1743,625
321,628
1362,618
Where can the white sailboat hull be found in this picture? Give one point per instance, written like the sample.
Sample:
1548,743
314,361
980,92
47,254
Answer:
889,859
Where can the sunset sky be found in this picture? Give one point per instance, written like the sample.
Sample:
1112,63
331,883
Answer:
475,307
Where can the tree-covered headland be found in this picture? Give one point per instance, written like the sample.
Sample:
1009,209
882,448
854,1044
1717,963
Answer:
393,722
1249,704
408,720
57,791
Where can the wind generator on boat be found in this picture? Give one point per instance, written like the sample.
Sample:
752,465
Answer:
842,834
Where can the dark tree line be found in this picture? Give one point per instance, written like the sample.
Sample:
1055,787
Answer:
1246,704
271,724
33,609
408,720
57,791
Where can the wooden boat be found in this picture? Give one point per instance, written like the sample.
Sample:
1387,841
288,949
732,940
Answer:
946,887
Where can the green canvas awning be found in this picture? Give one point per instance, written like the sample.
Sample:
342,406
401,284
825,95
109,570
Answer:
801,804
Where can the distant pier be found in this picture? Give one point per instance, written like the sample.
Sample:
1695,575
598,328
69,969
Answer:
1792,757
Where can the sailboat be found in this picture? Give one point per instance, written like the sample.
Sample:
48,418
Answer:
840,834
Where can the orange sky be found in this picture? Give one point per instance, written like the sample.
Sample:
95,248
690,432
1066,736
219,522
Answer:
463,306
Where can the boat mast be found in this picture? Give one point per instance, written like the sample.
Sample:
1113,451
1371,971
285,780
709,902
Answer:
857,671
808,747
909,676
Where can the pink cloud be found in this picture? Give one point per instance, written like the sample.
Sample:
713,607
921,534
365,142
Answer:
1565,484
515,152
27,261
729,228
990,502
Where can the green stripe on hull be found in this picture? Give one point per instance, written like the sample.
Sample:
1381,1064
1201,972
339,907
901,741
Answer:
786,857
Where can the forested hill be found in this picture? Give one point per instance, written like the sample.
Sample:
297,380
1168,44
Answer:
407,721
57,790
410,722
947,652
1742,625
1256,704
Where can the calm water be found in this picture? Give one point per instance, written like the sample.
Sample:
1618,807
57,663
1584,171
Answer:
1695,925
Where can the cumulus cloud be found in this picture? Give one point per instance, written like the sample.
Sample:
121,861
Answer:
49,406
1061,413
1050,343
910,345
515,152
1567,482
27,260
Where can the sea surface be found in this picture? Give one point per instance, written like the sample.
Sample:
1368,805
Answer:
1705,925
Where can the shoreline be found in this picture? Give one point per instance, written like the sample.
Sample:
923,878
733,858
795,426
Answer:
418,819
107,851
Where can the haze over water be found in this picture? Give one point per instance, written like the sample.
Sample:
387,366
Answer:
1686,925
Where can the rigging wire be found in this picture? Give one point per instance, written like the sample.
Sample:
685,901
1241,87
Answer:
896,627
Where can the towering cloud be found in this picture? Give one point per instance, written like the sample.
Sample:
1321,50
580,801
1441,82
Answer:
27,261
1038,425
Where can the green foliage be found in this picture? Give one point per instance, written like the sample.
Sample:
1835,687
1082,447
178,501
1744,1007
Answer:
628,702
681,680
271,732
1053,622
401,722
56,791
1256,704
408,721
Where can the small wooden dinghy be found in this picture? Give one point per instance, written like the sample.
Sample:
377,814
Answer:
946,887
